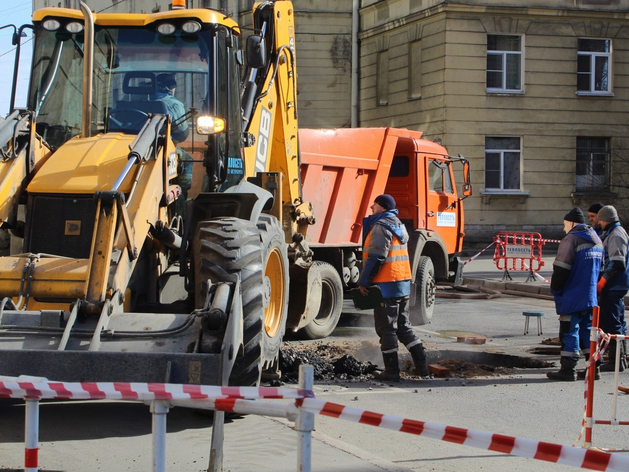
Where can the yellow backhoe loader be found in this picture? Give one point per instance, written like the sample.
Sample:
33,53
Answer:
151,225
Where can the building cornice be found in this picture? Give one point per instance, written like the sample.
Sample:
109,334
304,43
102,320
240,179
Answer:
565,14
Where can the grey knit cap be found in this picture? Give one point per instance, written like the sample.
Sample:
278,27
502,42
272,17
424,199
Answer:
608,214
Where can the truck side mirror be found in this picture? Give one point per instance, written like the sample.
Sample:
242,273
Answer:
467,186
256,52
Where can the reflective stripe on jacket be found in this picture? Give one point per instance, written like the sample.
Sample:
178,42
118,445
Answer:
396,266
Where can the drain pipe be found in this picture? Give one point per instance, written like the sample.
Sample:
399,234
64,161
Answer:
88,66
355,66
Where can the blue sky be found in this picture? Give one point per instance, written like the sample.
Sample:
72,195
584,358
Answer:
16,12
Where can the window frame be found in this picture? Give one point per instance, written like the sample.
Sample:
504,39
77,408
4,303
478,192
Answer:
591,176
504,64
501,152
592,63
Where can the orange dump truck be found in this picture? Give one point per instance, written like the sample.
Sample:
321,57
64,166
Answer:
343,170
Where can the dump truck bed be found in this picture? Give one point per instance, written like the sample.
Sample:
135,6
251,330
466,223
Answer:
343,170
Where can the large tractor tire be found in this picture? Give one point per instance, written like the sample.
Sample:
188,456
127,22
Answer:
276,289
230,248
425,292
331,304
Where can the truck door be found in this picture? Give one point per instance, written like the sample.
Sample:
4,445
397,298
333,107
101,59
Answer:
440,209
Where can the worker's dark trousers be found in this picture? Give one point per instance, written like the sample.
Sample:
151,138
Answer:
612,317
392,323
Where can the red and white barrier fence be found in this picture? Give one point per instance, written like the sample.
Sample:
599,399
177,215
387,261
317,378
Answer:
46,390
567,455
599,340
302,411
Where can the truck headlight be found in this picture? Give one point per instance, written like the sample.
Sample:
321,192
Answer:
210,125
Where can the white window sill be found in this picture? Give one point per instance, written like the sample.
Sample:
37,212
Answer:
519,195
505,92
594,94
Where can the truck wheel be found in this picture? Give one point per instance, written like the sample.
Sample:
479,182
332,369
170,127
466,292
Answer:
276,285
331,304
421,312
225,249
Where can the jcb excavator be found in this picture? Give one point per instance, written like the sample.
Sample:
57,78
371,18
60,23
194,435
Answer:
151,245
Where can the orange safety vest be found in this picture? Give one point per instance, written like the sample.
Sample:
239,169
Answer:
396,266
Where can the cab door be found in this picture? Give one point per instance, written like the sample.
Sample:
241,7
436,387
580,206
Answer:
441,210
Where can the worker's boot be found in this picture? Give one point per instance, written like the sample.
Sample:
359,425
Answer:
391,371
567,372
597,375
418,353
610,365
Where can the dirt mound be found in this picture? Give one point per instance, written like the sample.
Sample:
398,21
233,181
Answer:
329,363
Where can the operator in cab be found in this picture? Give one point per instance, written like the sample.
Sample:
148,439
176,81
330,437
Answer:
166,86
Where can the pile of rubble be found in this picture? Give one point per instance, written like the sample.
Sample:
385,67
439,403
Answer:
330,362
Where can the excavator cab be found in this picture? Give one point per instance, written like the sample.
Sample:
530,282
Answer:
128,59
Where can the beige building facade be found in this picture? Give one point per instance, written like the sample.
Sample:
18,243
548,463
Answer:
535,96
534,93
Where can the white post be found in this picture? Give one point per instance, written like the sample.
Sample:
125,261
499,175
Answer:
31,436
619,339
159,409
305,422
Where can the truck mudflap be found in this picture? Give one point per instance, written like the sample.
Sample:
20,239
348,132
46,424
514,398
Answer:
126,347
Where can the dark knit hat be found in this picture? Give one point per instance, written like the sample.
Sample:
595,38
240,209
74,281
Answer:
166,81
595,208
575,215
608,214
385,201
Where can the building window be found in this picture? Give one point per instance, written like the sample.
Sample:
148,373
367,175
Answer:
504,63
593,158
593,65
415,69
382,79
502,163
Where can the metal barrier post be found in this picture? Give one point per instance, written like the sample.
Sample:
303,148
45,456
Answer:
589,401
159,410
619,338
31,435
305,422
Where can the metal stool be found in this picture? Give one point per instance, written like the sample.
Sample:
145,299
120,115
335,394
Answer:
536,314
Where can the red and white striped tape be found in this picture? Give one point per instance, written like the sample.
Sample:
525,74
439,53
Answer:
476,255
568,455
139,391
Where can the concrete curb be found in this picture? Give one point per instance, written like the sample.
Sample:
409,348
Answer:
532,288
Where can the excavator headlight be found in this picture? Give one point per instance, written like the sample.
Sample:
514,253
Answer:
210,125
74,27
166,28
52,25
191,26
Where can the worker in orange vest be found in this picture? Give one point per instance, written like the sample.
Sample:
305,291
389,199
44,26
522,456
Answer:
386,264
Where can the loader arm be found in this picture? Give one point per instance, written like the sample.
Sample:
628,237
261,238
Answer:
270,111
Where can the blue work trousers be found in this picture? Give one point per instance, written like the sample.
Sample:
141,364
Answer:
575,334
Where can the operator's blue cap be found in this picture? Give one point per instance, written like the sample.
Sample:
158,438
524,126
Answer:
385,201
